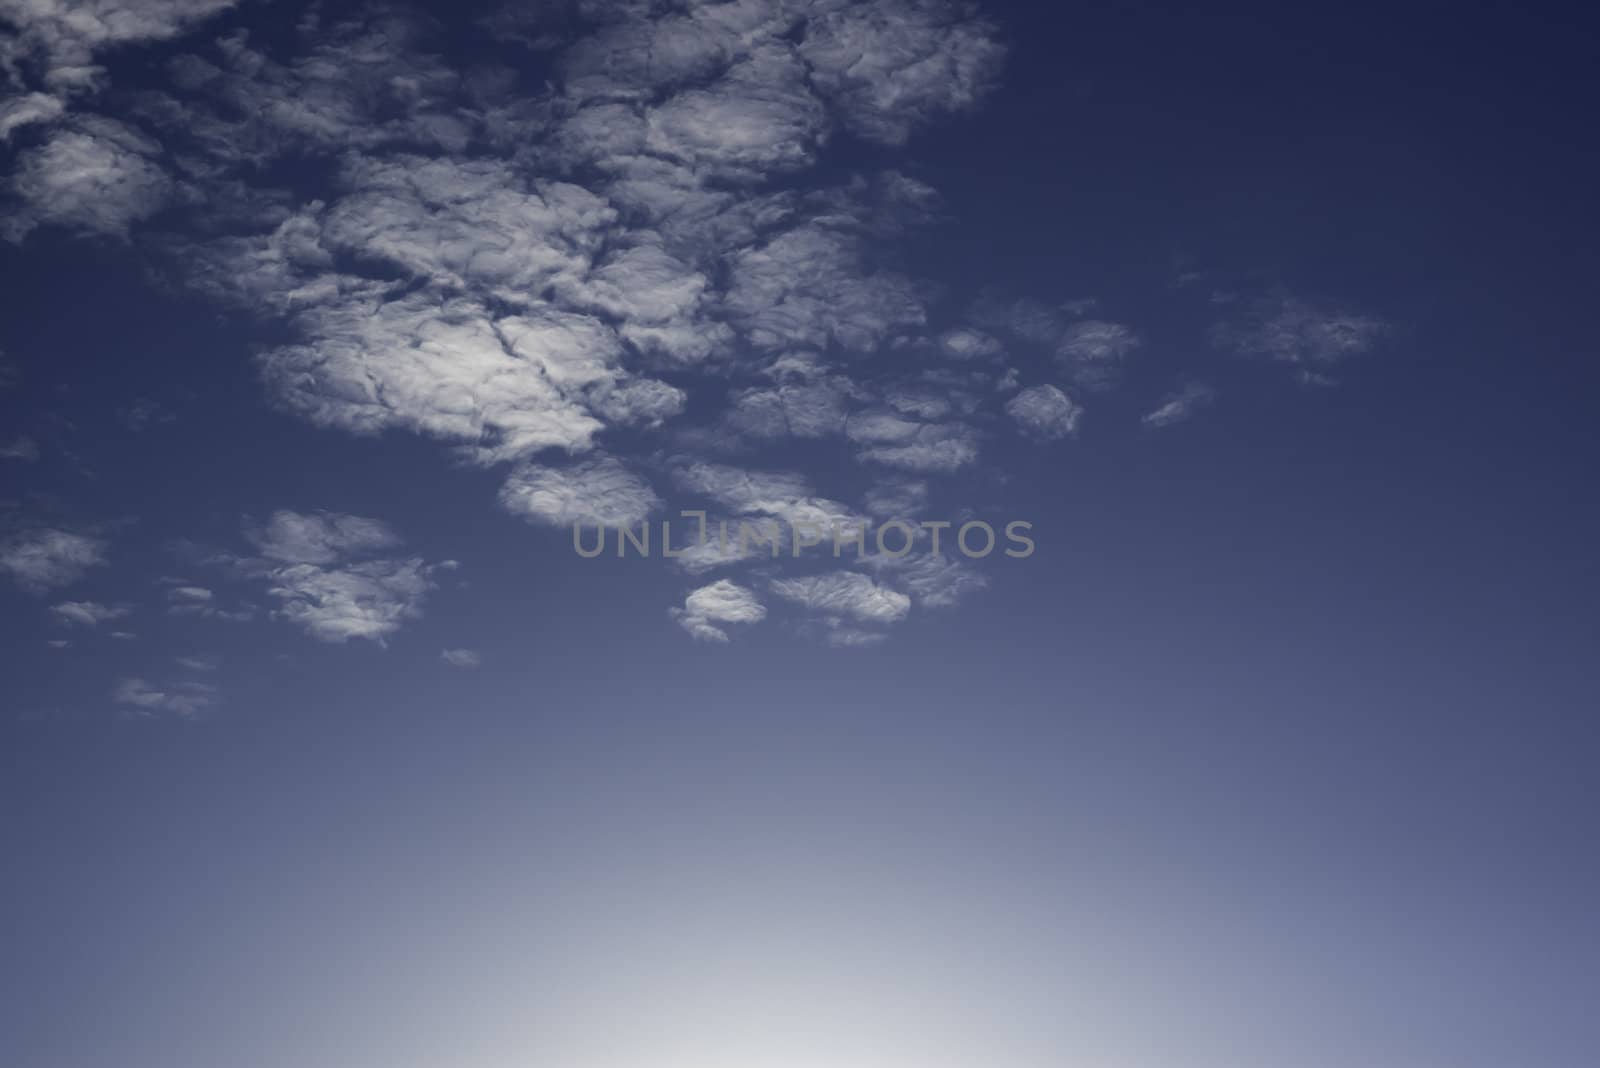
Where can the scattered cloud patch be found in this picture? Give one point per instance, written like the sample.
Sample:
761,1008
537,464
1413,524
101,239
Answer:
43,559
596,491
709,609
845,595
22,448
88,613
322,570
183,699
1045,413
1311,336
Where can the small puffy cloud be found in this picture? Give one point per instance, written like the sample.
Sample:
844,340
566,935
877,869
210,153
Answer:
1093,351
183,699
1179,406
722,602
1045,413
42,559
1309,335
370,599
97,175
460,658
845,595
88,613
924,448
198,663
600,491
793,409
319,537
322,570
965,343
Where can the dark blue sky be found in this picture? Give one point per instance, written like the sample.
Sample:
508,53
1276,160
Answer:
321,746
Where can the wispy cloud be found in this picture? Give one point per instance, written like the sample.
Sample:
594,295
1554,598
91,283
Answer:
89,613
1179,406
185,699
1310,335
42,559
845,595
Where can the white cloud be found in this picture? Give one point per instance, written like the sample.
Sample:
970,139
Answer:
39,560
189,595
89,613
97,175
461,658
758,118
61,37
964,343
721,602
1309,335
793,409
183,699
600,490
934,581
929,448
890,66
322,570
319,537
1093,351
807,287
543,273
27,109
845,595
369,599
446,368
1179,406
1045,413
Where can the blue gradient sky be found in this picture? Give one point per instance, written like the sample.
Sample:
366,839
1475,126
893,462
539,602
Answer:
1279,752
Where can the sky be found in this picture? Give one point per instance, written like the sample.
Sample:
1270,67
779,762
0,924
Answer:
1258,339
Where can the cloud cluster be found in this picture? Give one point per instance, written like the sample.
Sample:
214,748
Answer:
185,698
620,283
323,571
